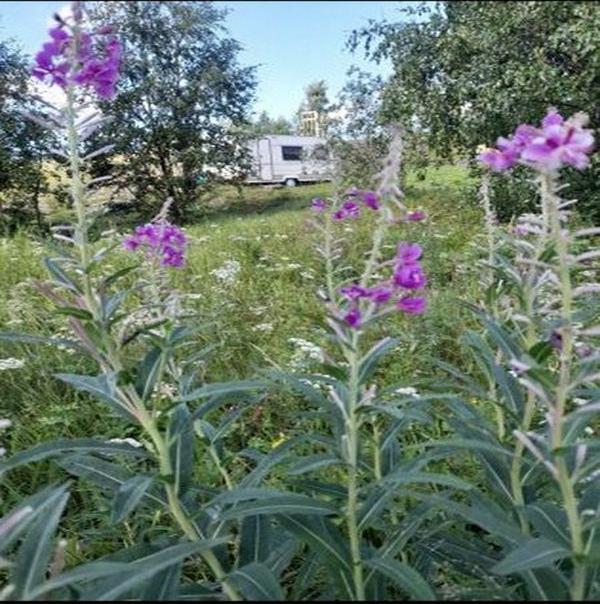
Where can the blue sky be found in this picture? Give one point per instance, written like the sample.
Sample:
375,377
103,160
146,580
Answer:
293,42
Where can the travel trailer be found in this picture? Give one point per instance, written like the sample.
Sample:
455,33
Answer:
289,160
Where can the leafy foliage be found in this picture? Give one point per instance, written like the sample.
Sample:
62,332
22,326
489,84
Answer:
182,101
468,72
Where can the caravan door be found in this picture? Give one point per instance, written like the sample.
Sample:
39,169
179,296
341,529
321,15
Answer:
265,159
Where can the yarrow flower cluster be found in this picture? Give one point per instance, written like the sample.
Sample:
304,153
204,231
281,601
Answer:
89,60
556,144
408,277
11,363
163,240
227,273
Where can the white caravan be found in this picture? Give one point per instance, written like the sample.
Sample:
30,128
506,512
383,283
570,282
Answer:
289,160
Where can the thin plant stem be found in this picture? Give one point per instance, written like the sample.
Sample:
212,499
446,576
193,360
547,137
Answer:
565,481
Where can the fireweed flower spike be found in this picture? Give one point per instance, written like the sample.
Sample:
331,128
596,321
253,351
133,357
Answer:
91,61
77,59
556,144
163,241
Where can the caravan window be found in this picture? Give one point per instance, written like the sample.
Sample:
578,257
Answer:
291,153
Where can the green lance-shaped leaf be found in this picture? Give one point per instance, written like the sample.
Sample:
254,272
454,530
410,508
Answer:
16,522
107,475
34,555
257,583
58,448
313,462
284,503
74,311
101,386
368,364
78,575
224,389
407,579
128,496
24,338
181,447
256,536
60,276
148,372
143,569
264,466
325,539
534,553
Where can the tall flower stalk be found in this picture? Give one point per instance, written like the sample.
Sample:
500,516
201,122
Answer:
71,61
556,144
353,307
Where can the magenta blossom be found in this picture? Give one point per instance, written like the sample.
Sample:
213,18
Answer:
412,305
353,292
370,199
349,209
353,317
408,253
410,276
95,64
558,143
415,216
318,204
163,241
379,294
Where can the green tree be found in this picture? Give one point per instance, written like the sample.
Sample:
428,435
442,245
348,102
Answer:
23,145
465,73
356,133
317,101
267,125
182,104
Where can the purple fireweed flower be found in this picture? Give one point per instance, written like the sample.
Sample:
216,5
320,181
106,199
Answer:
410,276
349,209
163,241
408,253
508,151
353,292
556,340
353,317
556,144
95,64
379,294
520,230
560,143
412,305
370,199
583,351
318,204
415,216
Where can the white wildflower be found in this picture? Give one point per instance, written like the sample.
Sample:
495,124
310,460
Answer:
227,273
408,391
5,423
128,441
11,363
306,352
266,327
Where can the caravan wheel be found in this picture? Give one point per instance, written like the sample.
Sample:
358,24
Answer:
290,182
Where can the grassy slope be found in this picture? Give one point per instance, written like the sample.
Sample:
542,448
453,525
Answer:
276,286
